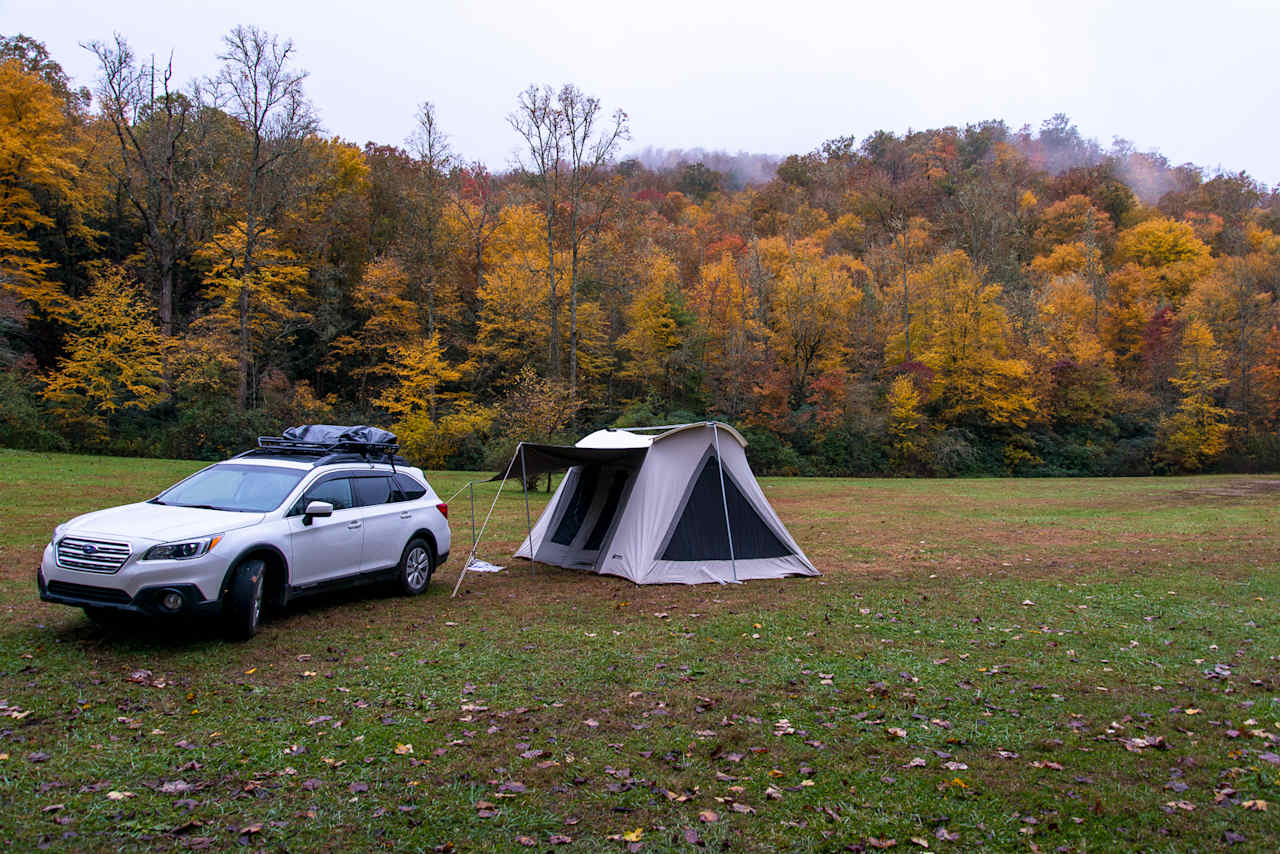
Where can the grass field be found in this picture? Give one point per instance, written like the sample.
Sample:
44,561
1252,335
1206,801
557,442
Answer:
1022,665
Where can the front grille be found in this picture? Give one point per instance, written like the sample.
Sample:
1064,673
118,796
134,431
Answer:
85,591
91,555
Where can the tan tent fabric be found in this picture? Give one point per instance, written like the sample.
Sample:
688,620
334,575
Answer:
660,518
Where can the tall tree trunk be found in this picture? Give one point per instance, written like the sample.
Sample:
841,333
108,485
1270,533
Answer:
250,234
573,322
553,301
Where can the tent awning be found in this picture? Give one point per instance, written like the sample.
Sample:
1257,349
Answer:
540,459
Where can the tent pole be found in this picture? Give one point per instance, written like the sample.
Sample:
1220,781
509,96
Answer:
471,488
724,498
528,520
463,572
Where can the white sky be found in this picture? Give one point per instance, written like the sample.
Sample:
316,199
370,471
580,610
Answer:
1195,80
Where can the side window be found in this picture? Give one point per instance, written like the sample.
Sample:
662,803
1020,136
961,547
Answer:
372,490
337,492
410,489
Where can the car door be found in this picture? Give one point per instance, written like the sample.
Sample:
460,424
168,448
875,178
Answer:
385,521
329,547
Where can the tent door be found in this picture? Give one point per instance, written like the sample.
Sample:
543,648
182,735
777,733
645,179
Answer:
587,516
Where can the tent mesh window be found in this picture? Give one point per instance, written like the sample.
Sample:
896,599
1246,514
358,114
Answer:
700,534
584,492
616,485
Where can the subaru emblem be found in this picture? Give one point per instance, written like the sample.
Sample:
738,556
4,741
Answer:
89,548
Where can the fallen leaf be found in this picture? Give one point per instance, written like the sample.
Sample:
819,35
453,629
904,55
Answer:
559,839
404,749
634,835
896,731
526,841
1257,805
881,843
708,816
120,796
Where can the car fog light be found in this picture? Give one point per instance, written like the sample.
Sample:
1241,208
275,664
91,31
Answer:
171,601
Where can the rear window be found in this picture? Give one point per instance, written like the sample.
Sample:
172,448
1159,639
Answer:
409,488
372,490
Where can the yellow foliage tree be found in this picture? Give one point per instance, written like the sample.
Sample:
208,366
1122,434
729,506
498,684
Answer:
961,332
1170,252
727,310
115,358
37,155
420,368
262,308
1238,307
513,322
382,296
652,341
905,419
430,442
813,300
1198,431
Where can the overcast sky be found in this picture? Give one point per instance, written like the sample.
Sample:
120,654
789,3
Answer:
1195,80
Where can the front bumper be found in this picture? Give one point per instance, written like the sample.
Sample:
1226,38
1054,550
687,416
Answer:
136,589
146,602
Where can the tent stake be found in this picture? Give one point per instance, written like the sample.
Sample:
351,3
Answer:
528,520
724,498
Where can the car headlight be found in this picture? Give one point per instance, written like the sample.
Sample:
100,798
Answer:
57,532
182,551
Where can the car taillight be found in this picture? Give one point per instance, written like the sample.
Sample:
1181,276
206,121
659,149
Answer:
444,509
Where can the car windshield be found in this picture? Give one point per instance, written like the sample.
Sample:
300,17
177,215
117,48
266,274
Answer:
242,488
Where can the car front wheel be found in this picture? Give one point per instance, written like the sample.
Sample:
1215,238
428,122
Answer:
242,605
417,563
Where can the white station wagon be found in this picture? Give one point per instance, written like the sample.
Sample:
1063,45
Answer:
319,508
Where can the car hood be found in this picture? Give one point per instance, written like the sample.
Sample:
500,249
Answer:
158,522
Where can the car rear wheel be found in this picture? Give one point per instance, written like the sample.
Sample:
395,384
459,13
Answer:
417,563
242,603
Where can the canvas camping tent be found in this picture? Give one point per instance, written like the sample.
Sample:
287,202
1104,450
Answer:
672,505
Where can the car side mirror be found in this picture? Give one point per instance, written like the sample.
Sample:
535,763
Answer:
316,508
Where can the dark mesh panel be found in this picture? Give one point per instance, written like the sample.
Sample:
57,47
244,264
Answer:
616,485
700,534
584,490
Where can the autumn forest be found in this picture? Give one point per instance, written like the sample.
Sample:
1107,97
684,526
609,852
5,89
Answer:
185,265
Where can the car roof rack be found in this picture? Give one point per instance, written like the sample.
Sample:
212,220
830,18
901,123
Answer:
326,453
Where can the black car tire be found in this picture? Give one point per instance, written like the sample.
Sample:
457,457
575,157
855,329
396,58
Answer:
417,564
242,603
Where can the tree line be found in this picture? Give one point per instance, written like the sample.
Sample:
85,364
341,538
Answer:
185,265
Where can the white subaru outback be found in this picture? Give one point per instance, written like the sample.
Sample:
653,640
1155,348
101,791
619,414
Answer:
317,509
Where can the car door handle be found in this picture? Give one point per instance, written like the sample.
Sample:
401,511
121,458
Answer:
406,515
351,526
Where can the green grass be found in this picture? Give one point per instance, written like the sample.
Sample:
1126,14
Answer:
956,622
